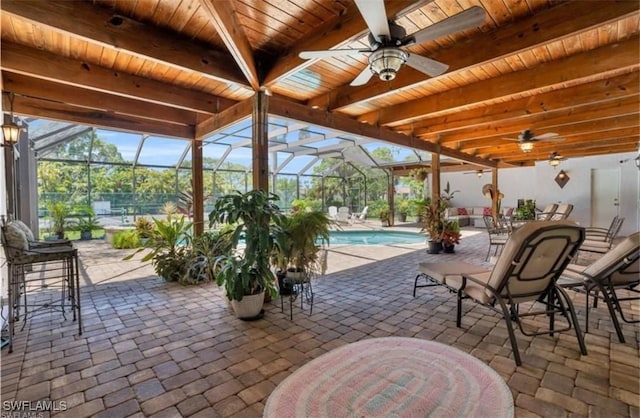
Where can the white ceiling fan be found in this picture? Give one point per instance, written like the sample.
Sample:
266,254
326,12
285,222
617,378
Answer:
527,139
386,39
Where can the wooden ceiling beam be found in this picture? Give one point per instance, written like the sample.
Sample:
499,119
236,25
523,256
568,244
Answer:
555,23
598,149
618,57
58,111
48,66
284,108
551,121
225,118
348,26
594,92
39,88
100,25
225,20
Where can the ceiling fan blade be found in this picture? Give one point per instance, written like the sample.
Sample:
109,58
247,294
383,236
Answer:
375,15
308,55
550,139
363,77
464,20
428,66
547,135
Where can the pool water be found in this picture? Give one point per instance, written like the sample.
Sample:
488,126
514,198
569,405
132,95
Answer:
376,237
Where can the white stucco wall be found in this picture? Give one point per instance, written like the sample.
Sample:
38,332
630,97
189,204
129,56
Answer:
538,183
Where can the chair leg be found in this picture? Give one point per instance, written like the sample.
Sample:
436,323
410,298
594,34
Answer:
486,258
574,319
612,311
512,336
459,309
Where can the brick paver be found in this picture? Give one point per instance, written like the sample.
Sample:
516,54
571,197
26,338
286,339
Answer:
152,348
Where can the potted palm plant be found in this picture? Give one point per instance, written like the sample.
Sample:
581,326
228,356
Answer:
86,225
58,212
245,273
296,253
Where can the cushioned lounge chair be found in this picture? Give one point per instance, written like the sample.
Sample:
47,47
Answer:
547,212
617,269
596,242
533,258
562,212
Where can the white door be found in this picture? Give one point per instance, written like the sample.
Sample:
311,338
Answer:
605,196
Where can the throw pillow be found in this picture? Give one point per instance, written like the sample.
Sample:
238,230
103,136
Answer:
462,212
509,212
24,228
16,240
486,211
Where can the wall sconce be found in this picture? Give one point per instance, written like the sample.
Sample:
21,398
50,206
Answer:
10,131
562,178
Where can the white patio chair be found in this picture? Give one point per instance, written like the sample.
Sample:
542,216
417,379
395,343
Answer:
343,215
333,212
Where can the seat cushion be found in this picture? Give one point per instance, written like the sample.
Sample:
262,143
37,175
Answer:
443,272
472,289
24,228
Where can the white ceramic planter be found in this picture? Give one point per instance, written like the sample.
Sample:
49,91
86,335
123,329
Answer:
249,307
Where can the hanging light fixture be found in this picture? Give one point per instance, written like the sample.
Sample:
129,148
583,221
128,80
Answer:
526,146
10,130
479,173
386,62
555,159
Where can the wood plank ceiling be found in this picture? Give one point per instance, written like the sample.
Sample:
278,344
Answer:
185,68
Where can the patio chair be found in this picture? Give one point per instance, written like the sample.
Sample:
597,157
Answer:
597,243
498,234
53,278
547,212
360,217
343,215
31,240
533,258
603,234
562,212
617,269
333,212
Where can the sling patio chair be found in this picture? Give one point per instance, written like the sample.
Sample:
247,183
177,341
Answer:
596,243
498,234
547,212
562,212
526,272
617,269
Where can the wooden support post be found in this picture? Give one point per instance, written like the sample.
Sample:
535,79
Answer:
391,198
197,184
260,142
435,176
496,193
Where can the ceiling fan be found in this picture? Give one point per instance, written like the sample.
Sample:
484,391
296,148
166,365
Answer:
386,39
555,159
527,139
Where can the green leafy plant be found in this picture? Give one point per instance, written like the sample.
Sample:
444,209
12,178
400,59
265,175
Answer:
257,219
59,211
451,234
88,224
203,253
167,247
526,212
384,216
434,221
297,239
126,240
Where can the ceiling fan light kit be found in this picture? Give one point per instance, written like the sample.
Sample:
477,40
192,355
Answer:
386,62
526,146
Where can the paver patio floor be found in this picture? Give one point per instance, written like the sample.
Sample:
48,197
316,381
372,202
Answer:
151,348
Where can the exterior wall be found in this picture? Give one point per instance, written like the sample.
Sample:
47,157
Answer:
538,183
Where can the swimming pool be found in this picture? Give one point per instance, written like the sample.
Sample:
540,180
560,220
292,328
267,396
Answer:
375,237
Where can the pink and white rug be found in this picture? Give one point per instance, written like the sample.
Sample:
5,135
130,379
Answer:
392,377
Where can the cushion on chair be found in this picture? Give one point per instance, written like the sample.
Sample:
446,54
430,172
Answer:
627,248
16,240
444,272
472,289
486,211
24,228
542,255
462,212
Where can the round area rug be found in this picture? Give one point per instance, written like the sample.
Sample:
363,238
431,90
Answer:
392,377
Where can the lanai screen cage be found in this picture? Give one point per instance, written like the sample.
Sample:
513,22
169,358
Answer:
124,175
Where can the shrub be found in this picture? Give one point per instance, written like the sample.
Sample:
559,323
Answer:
126,239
